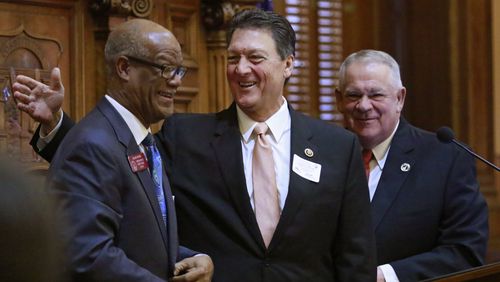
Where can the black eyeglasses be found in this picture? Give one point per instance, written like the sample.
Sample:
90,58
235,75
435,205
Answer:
167,71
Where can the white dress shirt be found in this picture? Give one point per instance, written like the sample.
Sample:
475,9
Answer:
139,131
279,125
377,164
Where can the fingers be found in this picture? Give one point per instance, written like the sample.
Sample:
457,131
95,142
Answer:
27,81
192,275
180,267
55,79
198,268
23,98
22,88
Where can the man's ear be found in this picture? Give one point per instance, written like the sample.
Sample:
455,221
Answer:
289,66
401,95
122,68
340,100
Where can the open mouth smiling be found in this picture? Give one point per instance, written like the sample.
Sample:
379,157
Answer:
247,84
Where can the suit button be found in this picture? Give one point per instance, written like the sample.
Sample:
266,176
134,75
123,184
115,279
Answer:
267,264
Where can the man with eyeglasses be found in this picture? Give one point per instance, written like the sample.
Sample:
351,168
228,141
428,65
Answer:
108,178
168,72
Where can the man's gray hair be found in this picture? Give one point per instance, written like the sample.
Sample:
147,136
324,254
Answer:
370,56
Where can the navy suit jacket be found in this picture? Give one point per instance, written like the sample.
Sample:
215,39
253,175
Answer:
325,231
115,230
432,219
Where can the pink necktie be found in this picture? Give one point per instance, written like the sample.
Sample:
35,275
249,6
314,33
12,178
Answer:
265,190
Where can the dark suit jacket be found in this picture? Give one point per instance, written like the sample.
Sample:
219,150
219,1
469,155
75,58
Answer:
432,219
324,233
115,230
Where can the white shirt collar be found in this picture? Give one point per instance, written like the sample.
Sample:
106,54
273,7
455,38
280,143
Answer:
278,123
139,131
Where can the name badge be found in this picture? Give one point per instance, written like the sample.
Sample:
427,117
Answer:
138,162
306,169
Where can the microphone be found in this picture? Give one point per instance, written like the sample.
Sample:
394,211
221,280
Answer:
445,135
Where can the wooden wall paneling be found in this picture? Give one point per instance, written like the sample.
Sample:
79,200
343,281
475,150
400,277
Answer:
495,18
480,88
220,94
472,95
184,22
358,26
216,15
35,37
81,86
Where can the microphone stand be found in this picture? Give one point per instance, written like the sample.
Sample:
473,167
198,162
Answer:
476,155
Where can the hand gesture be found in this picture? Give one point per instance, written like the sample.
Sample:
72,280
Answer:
40,101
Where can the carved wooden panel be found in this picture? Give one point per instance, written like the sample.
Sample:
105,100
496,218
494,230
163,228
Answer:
183,19
33,40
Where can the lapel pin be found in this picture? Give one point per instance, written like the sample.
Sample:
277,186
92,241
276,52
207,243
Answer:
309,152
137,162
405,167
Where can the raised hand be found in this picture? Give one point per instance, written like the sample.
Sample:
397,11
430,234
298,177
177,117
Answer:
42,102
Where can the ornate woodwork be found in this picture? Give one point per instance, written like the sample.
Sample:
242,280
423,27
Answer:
30,48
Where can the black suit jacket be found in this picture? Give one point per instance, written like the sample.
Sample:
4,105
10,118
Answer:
324,233
432,219
115,230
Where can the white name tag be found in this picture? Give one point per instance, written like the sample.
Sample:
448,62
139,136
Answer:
306,169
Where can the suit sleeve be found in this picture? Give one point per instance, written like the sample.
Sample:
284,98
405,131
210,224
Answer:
185,253
354,249
463,236
86,184
49,151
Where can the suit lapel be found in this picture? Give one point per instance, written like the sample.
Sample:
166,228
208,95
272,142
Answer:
227,147
127,139
298,186
393,176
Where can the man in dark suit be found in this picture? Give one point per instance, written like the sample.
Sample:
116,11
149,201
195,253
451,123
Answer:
429,216
120,212
315,224
324,231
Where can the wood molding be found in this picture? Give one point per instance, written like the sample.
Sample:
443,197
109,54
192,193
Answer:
122,8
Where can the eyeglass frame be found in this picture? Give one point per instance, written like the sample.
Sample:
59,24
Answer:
172,70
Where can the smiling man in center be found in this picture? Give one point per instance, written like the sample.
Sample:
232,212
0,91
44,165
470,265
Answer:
310,220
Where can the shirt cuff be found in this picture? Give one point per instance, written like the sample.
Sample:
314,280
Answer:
389,273
44,140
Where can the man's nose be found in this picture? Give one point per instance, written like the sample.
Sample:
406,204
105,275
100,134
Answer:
243,66
364,104
175,81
